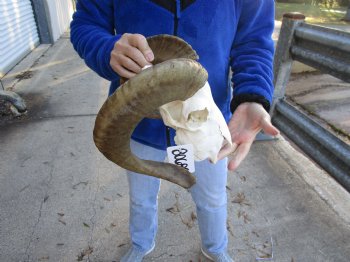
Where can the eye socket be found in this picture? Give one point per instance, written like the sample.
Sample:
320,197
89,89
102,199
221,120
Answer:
198,116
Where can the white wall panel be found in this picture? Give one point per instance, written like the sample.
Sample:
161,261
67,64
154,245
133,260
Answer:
18,32
60,12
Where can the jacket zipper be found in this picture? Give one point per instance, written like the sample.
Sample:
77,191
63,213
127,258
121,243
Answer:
177,16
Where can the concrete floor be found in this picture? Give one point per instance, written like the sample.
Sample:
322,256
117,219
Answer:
324,97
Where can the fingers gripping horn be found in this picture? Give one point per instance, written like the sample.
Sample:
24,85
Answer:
173,78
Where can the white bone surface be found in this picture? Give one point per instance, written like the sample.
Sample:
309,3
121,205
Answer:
198,121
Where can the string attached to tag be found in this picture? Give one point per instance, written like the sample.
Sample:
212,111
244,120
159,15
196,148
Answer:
167,130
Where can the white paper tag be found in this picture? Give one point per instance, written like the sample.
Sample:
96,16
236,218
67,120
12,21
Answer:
181,156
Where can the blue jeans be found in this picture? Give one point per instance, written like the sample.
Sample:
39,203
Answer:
209,195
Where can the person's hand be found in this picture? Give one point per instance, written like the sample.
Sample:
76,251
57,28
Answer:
245,124
130,54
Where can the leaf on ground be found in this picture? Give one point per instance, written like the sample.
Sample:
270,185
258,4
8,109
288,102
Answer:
24,188
245,216
241,252
46,198
263,254
255,233
229,227
44,258
61,221
241,200
189,222
60,214
107,199
265,250
193,216
80,183
85,253
173,210
176,207
86,225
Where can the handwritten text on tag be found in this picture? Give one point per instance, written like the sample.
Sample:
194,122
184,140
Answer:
182,156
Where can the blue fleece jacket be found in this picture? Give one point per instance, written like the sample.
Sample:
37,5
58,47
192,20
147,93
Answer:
225,34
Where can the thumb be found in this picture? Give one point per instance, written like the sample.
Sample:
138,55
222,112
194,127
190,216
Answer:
268,128
140,42
226,150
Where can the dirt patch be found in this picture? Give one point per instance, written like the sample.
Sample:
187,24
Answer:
4,108
25,75
35,102
6,114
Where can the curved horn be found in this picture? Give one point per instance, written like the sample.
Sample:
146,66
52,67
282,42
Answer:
167,81
176,79
166,47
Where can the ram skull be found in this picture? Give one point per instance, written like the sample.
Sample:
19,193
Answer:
198,121
176,76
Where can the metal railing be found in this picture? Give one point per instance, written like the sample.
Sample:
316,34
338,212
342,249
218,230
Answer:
327,50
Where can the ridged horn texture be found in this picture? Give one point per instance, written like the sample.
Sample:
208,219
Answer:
174,79
166,47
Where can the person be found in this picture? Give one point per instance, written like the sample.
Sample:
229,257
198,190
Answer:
110,35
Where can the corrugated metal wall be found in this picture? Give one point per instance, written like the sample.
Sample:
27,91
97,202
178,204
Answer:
18,32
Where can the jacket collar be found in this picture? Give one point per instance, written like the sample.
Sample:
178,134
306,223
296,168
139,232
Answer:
170,5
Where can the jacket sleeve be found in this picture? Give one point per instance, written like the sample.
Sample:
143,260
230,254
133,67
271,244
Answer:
252,54
93,35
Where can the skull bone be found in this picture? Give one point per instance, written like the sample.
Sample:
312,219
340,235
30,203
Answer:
198,121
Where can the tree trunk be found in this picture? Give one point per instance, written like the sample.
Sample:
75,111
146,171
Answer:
347,15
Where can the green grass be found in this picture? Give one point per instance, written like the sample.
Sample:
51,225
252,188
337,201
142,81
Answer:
314,14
